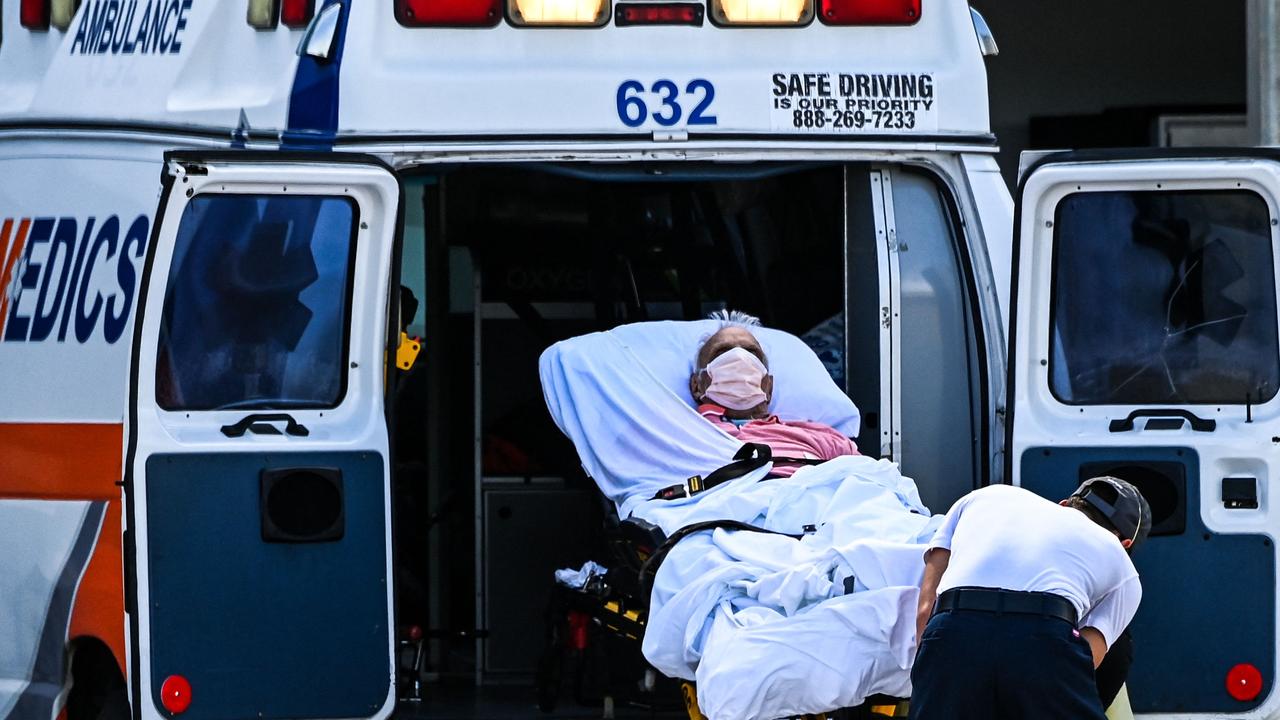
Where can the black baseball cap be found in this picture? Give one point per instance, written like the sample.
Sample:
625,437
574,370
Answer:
1120,503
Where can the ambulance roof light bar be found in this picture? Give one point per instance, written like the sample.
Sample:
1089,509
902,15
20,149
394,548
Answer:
266,14
595,13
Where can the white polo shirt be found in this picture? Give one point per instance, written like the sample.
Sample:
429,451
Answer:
1009,538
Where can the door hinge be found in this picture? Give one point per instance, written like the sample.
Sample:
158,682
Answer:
181,169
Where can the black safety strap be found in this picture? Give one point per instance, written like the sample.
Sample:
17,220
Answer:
749,458
650,566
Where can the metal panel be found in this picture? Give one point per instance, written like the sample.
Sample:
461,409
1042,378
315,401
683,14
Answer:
528,534
890,327
265,629
939,373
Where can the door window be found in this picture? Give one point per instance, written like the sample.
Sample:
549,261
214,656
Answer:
257,303
1163,298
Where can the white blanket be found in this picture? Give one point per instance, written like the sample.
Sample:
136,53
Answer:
761,622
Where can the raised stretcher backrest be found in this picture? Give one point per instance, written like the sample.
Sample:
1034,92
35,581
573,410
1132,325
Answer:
622,397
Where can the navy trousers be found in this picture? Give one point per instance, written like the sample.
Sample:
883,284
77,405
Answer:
983,666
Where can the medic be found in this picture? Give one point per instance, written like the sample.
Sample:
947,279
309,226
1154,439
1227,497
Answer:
1022,598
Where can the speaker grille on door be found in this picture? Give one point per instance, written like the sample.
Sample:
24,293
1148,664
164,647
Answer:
302,505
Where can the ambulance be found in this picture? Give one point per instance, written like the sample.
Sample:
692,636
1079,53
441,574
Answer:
229,488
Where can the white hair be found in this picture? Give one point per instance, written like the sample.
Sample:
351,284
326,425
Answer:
734,318
727,319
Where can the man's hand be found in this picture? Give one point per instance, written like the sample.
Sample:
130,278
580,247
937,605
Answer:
935,564
1097,644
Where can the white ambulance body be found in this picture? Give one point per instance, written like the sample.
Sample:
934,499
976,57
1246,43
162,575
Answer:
182,197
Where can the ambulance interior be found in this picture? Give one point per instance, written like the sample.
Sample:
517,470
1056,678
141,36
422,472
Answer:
503,261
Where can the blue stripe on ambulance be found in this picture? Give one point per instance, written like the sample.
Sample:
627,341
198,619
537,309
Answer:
49,672
313,101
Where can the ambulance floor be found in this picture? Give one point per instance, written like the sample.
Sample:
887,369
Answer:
510,702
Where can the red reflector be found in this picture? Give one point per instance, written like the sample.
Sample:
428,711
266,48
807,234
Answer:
658,14
1244,682
449,13
175,694
297,13
34,14
415,633
870,12
579,624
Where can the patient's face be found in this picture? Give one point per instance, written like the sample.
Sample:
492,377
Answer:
715,346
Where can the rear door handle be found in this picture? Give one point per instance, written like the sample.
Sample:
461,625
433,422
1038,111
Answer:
260,424
1198,424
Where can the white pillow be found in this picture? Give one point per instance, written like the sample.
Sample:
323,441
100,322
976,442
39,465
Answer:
802,388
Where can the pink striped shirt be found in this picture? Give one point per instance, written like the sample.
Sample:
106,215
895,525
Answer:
791,438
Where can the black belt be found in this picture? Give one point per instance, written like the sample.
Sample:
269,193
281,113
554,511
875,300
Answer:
1007,601
749,458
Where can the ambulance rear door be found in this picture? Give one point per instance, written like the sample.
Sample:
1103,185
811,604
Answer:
258,546
1144,345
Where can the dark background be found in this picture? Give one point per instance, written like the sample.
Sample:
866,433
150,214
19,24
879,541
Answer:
1096,73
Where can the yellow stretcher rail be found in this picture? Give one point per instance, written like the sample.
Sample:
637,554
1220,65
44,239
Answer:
689,693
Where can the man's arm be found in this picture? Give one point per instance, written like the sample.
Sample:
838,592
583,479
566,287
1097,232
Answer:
1114,670
935,564
1097,645
1110,616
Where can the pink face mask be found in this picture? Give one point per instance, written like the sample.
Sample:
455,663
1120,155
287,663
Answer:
736,377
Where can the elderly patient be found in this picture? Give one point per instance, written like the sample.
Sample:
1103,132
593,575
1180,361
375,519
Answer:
733,387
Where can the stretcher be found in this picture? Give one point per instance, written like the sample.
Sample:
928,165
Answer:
739,614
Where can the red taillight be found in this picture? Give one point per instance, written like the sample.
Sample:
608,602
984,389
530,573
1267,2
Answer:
297,13
1244,682
34,14
870,12
175,694
579,629
415,633
449,13
658,14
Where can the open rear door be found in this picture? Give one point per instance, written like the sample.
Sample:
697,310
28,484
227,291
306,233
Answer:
257,477
1145,346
